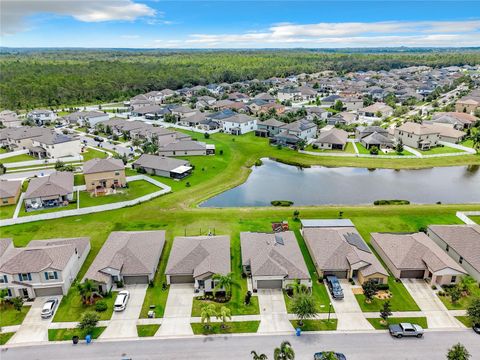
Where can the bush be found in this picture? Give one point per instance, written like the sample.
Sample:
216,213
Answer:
101,306
119,283
258,162
221,152
187,184
285,203
391,202
383,287
314,146
434,287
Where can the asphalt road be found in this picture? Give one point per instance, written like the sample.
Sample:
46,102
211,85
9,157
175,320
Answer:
356,346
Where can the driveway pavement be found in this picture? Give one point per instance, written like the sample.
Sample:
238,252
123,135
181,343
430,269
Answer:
436,313
34,328
176,320
348,312
273,312
124,324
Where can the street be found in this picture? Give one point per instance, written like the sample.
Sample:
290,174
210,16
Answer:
356,346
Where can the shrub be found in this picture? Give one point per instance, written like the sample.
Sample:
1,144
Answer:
434,287
221,152
281,203
119,283
188,184
314,146
391,202
383,287
101,306
89,321
259,162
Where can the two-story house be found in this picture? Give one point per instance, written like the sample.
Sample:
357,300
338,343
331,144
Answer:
418,136
104,174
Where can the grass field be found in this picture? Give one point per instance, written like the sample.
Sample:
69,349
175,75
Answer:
316,325
67,334
4,337
93,153
376,322
230,328
235,308
464,320
476,219
6,212
147,330
71,307
440,150
17,158
9,316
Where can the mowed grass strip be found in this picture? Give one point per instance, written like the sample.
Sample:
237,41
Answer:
71,307
377,324
4,337
68,334
316,325
235,308
9,316
228,328
147,330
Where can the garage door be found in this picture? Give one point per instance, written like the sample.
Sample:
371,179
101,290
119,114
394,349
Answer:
338,274
412,274
143,279
269,284
181,279
49,291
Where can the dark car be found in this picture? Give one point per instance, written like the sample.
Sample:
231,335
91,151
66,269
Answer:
476,328
334,287
321,356
405,329
98,138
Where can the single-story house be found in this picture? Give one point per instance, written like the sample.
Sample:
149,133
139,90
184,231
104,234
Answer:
50,191
128,256
461,242
334,139
163,166
342,118
457,120
86,118
196,259
273,260
376,139
341,251
9,118
377,110
447,133
9,192
416,256
43,267
103,174
186,148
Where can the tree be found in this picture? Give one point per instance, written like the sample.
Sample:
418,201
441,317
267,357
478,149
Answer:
136,142
296,214
386,311
284,352
399,147
89,321
3,169
475,137
473,311
329,355
223,282
257,356
297,287
224,314
304,306
455,294
3,295
374,150
369,290
17,303
206,135
458,352
86,290
208,311
338,105
465,283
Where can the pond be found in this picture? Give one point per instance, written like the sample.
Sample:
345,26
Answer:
347,186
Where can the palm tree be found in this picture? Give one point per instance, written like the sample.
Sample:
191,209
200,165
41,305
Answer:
466,282
458,352
284,352
258,356
304,306
224,314
208,311
297,287
223,282
136,142
86,290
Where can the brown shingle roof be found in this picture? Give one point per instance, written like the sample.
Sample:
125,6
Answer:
59,183
9,188
102,165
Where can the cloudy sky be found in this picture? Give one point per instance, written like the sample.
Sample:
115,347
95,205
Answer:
238,24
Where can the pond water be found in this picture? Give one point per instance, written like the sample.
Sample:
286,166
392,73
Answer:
343,186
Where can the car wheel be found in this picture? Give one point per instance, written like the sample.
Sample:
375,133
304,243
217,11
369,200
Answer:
399,336
419,335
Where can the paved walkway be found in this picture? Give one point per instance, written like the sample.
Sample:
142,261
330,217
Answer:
124,324
273,312
348,312
176,320
436,313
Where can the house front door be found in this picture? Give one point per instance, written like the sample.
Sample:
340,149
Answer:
24,293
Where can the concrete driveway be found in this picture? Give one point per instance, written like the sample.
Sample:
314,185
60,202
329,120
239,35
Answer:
178,311
273,312
437,314
348,312
124,324
34,328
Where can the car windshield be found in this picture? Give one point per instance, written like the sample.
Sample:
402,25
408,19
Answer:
47,307
120,299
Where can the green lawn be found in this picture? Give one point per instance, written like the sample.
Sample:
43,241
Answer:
230,328
71,307
467,143
17,158
4,337
147,330
348,149
135,190
67,334
422,321
78,179
464,320
440,150
316,325
6,212
475,218
236,309
401,299
3,151
9,316
90,154
363,150
464,302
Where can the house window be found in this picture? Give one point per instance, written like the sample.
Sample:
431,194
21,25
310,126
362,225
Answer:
51,275
25,277
117,173
460,260
9,292
454,278
5,201
3,279
201,283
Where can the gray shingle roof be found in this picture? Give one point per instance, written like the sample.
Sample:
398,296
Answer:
53,138
102,165
183,146
59,183
334,136
161,163
9,188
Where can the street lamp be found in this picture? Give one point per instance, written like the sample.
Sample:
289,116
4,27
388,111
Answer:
329,310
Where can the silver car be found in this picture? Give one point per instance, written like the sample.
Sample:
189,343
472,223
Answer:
49,308
121,300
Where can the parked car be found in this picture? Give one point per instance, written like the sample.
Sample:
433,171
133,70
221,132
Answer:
98,139
49,308
405,329
320,356
476,328
121,300
334,287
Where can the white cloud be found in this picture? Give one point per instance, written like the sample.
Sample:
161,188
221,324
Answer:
14,13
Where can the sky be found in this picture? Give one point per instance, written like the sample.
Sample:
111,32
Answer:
238,24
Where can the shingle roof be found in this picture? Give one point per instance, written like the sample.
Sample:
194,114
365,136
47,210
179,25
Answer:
4,244
376,138
53,138
59,183
334,136
268,256
130,252
199,255
159,162
187,145
326,223
417,129
9,188
272,122
464,239
102,165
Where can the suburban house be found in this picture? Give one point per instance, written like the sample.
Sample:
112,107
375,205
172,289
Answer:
103,174
338,249
416,256
186,148
316,113
130,257
461,243
469,103
377,110
273,261
351,103
21,138
41,116
196,259
342,118
457,120
269,128
373,136
50,191
9,119
418,136
9,191
43,267
181,112
238,124
334,139
53,145
289,94
447,133
295,132
163,166
86,118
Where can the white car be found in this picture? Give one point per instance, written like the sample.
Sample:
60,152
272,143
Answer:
49,308
121,300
